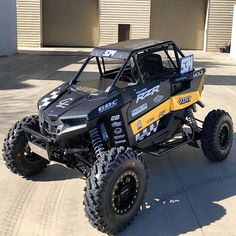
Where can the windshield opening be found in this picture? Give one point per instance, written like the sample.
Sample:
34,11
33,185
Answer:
100,72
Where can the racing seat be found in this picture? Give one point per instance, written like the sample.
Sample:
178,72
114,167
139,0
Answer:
151,66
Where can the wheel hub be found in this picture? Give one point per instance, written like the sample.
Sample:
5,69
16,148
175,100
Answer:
125,192
26,153
224,137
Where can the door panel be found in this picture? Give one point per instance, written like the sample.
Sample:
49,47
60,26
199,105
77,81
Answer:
182,21
70,23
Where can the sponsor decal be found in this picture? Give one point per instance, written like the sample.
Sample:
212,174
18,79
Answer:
181,79
116,124
108,106
158,98
184,100
186,64
150,120
119,136
118,131
120,141
47,100
198,73
139,124
86,89
162,113
146,93
109,53
116,117
139,109
64,103
151,129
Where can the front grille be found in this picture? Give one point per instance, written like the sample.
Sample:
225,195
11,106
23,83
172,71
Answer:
48,127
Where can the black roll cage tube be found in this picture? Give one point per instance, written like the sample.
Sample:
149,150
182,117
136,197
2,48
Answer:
132,55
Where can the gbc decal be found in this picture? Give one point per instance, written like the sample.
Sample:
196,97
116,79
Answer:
184,100
147,132
108,106
142,95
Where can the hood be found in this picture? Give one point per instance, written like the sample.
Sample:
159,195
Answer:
66,101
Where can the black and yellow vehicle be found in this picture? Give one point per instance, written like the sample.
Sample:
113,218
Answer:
129,98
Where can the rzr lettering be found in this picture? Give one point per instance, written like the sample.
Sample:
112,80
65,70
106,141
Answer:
148,93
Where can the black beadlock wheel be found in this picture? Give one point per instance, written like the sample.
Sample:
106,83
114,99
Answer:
16,151
217,135
115,189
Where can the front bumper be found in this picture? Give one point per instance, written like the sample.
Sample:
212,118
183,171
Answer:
39,144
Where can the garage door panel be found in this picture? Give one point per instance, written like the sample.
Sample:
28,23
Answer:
182,21
70,23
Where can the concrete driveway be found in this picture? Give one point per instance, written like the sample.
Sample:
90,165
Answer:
187,195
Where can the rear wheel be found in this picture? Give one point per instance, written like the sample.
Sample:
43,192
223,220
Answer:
115,190
16,151
217,135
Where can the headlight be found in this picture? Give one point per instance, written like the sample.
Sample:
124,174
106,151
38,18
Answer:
75,121
69,125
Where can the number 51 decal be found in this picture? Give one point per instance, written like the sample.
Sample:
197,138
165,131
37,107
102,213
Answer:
186,64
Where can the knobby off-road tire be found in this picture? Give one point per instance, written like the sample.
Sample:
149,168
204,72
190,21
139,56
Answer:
115,189
16,151
217,135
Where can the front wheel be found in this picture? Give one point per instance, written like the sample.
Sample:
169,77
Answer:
217,135
115,190
16,151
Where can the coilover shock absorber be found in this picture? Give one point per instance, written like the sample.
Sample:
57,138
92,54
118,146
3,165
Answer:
191,119
97,142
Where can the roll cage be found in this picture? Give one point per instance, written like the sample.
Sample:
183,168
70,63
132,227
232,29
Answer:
98,53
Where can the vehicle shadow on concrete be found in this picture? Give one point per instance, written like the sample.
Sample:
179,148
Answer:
16,70
56,172
184,189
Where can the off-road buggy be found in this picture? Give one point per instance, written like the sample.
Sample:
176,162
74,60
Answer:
129,98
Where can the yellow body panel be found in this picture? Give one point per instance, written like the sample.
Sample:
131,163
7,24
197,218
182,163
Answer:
152,116
177,102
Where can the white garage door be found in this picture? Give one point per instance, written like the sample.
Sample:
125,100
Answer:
182,21
70,23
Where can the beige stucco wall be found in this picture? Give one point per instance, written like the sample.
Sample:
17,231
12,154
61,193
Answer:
133,12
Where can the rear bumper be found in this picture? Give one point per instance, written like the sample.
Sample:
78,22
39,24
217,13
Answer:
39,144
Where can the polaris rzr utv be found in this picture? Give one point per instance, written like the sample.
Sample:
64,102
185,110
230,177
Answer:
129,98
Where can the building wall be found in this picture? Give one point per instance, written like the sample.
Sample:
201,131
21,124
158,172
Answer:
219,24
133,12
29,23
8,44
233,40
